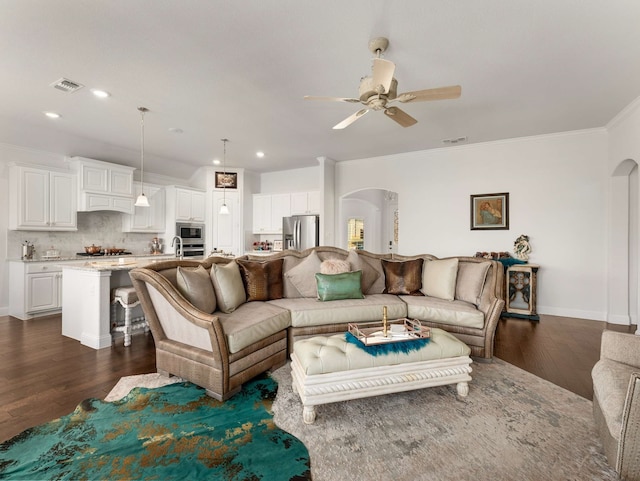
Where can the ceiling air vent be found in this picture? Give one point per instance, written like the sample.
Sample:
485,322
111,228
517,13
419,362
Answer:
66,85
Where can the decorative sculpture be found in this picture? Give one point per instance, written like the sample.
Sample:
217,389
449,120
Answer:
522,248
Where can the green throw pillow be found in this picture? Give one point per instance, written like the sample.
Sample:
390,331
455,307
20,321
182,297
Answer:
332,287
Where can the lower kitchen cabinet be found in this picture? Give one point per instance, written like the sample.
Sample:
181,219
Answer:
35,289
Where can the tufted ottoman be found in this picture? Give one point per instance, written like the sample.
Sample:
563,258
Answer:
330,369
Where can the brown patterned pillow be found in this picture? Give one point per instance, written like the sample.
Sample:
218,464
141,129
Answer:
403,278
262,279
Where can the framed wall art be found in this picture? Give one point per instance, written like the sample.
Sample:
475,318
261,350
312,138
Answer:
490,211
227,180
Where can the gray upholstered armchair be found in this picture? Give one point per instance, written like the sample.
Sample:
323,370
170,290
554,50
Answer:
616,401
192,344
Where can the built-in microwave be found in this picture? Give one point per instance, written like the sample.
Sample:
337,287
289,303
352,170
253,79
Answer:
192,236
190,233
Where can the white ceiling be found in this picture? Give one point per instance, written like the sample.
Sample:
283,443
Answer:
240,70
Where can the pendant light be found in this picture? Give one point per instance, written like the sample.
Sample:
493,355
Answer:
224,209
142,200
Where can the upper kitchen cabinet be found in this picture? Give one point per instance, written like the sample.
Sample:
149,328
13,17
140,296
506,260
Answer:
103,186
305,203
41,199
185,205
268,211
147,219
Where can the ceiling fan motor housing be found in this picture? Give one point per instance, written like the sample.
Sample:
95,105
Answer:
368,90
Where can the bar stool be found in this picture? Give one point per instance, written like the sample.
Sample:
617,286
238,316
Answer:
128,299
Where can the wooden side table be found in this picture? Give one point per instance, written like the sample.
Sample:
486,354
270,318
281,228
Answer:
521,297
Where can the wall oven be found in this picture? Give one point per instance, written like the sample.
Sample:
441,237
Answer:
192,236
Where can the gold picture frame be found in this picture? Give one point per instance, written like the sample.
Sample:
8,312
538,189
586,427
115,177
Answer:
490,211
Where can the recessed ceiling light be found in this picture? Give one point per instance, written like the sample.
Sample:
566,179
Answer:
52,115
101,94
259,154
175,130
216,161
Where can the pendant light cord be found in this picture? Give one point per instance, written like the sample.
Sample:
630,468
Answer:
142,112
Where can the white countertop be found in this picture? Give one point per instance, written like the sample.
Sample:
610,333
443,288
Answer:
123,263
93,258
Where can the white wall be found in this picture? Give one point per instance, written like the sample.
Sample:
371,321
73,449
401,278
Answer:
295,180
558,196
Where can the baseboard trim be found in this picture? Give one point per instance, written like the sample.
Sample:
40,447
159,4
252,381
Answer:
577,313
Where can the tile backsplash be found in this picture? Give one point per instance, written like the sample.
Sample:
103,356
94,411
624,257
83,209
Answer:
100,228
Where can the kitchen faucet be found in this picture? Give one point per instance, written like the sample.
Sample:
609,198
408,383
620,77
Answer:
179,252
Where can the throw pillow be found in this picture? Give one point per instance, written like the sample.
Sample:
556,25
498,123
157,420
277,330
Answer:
302,276
470,282
369,274
227,283
403,277
334,266
332,287
196,287
439,278
262,279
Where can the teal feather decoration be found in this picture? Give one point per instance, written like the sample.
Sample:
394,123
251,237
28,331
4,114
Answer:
404,347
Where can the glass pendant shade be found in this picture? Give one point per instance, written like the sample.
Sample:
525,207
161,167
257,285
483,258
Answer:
224,209
142,201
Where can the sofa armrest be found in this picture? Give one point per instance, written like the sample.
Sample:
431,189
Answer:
620,347
628,461
163,304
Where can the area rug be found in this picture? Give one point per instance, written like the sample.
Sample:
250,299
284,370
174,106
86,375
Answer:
170,432
512,426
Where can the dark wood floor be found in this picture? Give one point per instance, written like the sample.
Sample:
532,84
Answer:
45,375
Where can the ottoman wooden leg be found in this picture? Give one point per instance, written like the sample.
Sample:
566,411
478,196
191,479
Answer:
462,388
309,414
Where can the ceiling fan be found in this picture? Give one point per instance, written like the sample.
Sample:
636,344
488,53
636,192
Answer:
380,90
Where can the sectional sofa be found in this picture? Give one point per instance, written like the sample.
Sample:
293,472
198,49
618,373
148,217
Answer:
222,321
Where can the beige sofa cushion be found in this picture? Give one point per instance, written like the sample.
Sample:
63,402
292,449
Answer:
439,278
312,312
369,274
251,322
228,285
303,276
194,283
470,282
456,313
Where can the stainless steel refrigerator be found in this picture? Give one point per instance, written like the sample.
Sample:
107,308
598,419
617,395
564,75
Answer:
300,232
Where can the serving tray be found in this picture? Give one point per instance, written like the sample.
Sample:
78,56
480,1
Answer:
399,330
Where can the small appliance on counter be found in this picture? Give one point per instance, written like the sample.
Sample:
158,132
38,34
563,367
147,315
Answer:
27,251
156,246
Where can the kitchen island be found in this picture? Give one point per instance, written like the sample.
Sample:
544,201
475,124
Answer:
86,296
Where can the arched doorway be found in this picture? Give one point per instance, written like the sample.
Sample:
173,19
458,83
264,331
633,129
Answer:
623,262
368,220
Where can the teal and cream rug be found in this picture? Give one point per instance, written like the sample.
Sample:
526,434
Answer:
170,432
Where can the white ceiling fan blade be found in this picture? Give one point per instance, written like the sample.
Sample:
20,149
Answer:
332,99
400,116
441,93
383,73
351,119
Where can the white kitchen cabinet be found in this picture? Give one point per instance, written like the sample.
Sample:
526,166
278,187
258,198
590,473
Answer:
188,205
41,199
268,211
305,202
35,289
103,186
227,228
147,219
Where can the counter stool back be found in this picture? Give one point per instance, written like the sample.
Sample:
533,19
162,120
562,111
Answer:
128,299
